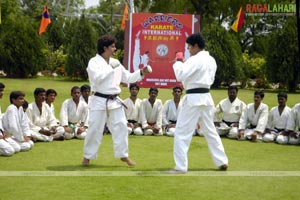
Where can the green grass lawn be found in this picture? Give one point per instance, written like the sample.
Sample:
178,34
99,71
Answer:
53,170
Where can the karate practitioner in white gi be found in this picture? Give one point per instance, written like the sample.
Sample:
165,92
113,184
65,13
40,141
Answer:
291,136
278,119
254,119
15,121
134,112
197,74
74,115
170,111
85,93
8,146
41,119
152,108
231,109
105,75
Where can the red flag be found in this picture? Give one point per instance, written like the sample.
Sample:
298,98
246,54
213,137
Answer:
239,21
45,20
125,15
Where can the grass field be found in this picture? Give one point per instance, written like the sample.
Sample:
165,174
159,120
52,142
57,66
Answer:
54,171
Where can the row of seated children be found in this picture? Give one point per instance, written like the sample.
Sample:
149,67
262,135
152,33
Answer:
237,120
21,125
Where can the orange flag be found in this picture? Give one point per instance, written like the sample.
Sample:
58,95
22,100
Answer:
45,20
125,15
239,21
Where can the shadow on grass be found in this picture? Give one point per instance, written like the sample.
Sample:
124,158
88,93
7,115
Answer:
81,167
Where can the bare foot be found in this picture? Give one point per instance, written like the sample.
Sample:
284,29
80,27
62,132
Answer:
129,162
85,162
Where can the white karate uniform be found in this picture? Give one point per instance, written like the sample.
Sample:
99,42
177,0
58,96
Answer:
76,115
5,148
293,124
52,108
258,119
153,116
106,80
277,121
16,123
134,112
170,112
196,72
45,120
231,112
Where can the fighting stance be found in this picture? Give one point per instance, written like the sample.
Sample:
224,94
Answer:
197,74
105,75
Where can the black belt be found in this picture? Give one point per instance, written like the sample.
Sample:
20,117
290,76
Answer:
197,90
132,121
279,129
228,123
107,96
252,126
172,121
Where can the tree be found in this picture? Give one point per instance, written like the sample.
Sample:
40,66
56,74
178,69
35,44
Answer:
226,50
282,58
82,48
20,45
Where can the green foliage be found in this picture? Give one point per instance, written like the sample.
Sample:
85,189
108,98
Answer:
283,55
20,52
225,49
55,59
254,68
82,48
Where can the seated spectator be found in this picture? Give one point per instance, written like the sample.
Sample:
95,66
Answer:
5,148
170,111
231,109
152,108
278,118
16,123
292,135
85,93
50,98
134,111
254,119
42,120
74,115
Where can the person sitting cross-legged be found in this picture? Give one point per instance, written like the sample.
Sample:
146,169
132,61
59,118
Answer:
278,119
15,121
231,109
153,113
254,119
134,111
170,111
74,115
42,120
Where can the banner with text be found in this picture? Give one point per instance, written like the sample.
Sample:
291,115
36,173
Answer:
154,39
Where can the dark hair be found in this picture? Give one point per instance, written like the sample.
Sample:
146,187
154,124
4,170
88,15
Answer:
85,87
177,88
260,93
75,88
15,95
51,91
282,94
25,104
196,38
233,87
153,89
132,85
2,85
105,41
37,91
